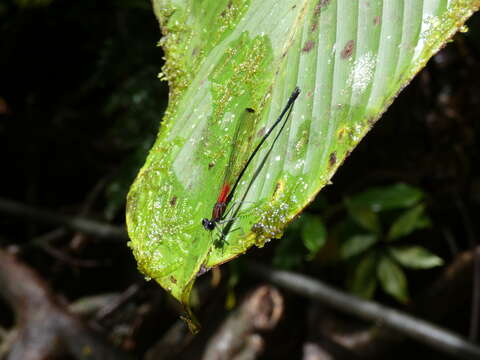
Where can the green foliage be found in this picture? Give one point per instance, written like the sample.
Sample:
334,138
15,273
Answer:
398,211
293,250
363,280
396,196
314,234
372,219
357,244
409,221
392,278
363,215
415,257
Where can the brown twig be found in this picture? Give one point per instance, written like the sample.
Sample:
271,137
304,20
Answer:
113,306
412,327
64,257
44,326
47,238
94,228
238,336
90,305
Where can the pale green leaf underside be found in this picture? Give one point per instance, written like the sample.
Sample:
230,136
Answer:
349,58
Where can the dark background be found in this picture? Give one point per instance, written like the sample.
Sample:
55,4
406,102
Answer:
80,105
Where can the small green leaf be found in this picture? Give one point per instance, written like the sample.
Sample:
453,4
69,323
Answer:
392,278
415,257
390,197
314,234
363,216
423,222
357,244
409,221
364,281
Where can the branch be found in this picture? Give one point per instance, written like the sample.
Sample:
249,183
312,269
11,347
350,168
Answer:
238,337
80,224
412,327
44,327
120,300
89,305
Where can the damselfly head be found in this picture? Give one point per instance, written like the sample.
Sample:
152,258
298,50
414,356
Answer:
208,225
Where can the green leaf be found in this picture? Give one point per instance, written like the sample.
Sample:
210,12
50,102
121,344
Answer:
350,59
415,257
363,216
409,221
388,197
314,234
357,244
392,279
364,280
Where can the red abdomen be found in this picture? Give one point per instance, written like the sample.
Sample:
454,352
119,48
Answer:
223,194
221,203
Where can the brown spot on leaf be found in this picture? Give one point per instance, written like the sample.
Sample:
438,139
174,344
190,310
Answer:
308,46
341,133
277,187
333,159
377,20
320,5
173,201
173,280
314,27
348,49
309,94
261,132
210,165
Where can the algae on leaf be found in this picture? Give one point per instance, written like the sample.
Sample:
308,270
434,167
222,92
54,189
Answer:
349,58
